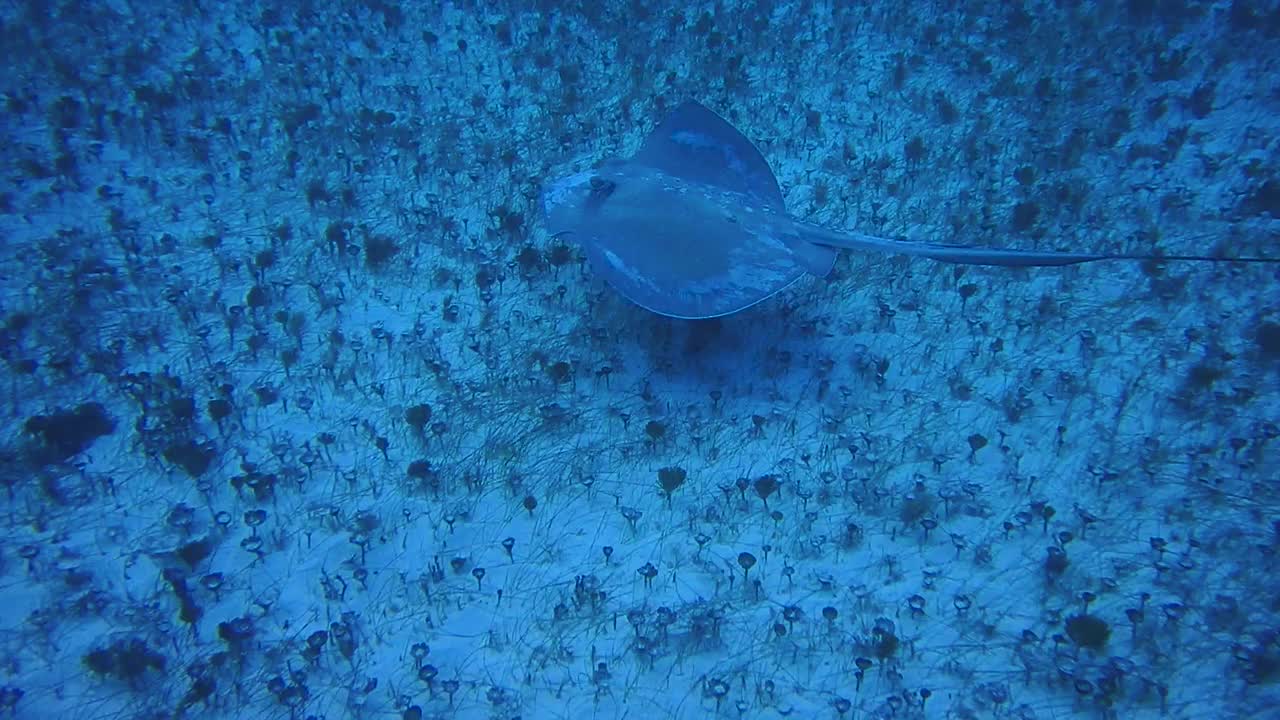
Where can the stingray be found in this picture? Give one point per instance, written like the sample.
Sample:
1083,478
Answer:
694,225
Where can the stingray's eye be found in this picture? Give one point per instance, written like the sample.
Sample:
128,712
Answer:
601,187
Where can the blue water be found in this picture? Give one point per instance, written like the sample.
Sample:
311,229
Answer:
307,415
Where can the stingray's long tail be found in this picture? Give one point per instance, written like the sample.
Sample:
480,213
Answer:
968,255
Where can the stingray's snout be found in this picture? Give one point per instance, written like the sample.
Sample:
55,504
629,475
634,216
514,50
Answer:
565,191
